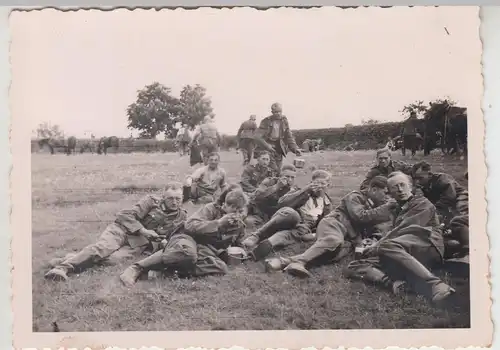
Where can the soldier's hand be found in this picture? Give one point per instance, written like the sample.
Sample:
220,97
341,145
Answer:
298,152
282,182
226,220
392,203
149,234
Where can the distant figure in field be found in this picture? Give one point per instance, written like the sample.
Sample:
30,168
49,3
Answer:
352,147
208,138
134,229
245,137
274,135
205,182
183,140
409,134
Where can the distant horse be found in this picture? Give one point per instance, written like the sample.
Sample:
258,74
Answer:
107,142
69,145
87,145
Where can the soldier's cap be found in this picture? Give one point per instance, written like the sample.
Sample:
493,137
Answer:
383,150
289,168
422,165
236,198
378,182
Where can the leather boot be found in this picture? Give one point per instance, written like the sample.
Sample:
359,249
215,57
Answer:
131,274
297,269
262,250
59,273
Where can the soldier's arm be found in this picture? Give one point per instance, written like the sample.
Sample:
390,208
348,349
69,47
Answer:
203,222
294,198
246,179
259,135
267,190
358,213
197,174
223,179
239,131
130,218
448,197
289,138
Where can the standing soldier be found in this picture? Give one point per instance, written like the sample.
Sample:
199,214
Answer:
409,134
274,135
208,138
184,139
245,138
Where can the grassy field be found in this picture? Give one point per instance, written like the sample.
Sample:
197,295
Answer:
75,197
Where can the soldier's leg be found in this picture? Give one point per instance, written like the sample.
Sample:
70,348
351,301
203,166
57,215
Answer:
460,230
370,271
276,161
112,239
180,253
408,257
279,240
284,219
330,237
208,263
244,150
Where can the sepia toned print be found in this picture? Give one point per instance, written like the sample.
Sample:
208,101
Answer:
226,171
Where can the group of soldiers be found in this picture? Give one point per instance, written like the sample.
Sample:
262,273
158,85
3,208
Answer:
402,222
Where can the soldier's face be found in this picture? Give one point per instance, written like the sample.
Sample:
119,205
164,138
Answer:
399,187
233,209
422,178
288,177
264,160
378,195
213,161
383,159
172,199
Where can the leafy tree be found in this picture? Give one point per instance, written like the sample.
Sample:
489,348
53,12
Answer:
369,122
421,108
47,130
154,111
195,105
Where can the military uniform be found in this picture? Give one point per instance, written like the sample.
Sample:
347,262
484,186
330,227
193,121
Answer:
351,221
245,138
150,213
206,184
199,250
274,135
377,170
253,175
452,204
208,139
264,201
409,250
295,221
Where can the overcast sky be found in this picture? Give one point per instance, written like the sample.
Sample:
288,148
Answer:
328,67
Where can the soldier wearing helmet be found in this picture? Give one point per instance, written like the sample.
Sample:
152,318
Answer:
274,135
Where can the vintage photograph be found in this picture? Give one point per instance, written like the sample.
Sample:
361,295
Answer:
238,169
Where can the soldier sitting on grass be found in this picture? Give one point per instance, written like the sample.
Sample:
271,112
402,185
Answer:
385,166
296,220
254,174
355,218
403,257
199,249
206,182
264,201
134,229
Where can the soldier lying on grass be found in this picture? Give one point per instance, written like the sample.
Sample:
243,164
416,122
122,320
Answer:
403,257
206,182
135,229
355,218
201,247
450,199
296,220
264,201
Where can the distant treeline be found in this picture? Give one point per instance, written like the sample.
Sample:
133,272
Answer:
368,137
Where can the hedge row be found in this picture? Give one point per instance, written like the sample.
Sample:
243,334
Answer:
367,136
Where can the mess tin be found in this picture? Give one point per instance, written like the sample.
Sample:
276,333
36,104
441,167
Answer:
236,255
299,163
